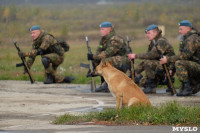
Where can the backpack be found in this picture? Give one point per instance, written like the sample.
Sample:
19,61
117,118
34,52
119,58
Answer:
64,45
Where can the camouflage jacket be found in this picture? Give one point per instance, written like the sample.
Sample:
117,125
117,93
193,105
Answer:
163,46
189,48
45,43
111,45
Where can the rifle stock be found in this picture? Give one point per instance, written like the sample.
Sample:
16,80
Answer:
93,86
166,69
24,64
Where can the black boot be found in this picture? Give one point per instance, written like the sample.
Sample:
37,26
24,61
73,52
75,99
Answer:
138,78
195,89
50,79
187,91
103,88
150,86
68,79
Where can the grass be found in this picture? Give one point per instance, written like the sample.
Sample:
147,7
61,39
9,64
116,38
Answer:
170,113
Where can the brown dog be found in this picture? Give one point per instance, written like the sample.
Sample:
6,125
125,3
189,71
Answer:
127,93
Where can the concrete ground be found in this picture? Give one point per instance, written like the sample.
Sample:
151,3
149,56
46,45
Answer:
30,108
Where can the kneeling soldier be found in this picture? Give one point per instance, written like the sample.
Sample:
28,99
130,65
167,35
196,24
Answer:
52,54
150,64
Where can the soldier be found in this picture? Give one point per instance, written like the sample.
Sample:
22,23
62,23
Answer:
187,63
150,64
111,47
52,54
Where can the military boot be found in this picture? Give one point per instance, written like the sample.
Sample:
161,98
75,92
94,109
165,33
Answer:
150,86
187,91
50,79
195,89
68,79
103,88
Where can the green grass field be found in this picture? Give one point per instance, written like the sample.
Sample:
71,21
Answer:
170,113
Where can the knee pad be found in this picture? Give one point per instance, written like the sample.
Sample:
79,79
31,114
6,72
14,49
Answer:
45,62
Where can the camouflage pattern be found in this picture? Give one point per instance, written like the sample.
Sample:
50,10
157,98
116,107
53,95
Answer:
54,52
151,63
187,62
112,47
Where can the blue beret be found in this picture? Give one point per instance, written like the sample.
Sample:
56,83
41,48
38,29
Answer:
185,23
35,27
105,24
151,27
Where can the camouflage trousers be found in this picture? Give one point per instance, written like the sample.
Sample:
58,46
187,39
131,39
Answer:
150,69
55,61
119,62
186,70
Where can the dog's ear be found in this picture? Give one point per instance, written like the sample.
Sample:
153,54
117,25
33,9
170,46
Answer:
103,62
111,62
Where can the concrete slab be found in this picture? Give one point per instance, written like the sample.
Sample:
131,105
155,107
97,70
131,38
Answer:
30,108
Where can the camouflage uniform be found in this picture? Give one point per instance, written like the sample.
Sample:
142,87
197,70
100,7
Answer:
112,47
50,49
187,63
151,64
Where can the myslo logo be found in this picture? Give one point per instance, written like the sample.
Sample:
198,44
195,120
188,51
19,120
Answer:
184,129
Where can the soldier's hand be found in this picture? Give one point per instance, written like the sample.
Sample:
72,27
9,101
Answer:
40,52
131,56
163,60
170,72
90,57
21,54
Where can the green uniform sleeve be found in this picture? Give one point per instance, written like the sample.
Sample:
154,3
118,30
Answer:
153,53
186,53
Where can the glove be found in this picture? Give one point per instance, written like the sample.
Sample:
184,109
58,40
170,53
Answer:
21,54
40,52
90,57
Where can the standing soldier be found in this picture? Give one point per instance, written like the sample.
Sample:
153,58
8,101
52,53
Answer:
111,47
187,63
150,64
52,54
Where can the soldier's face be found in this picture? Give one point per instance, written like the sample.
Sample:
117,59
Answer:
151,34
184,30
35,34
105,31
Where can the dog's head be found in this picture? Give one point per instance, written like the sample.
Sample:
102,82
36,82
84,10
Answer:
101,66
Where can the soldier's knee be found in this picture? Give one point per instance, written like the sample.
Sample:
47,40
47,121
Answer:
45,62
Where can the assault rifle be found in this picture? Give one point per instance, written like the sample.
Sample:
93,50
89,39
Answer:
132,61
166,69
26,68
90,66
